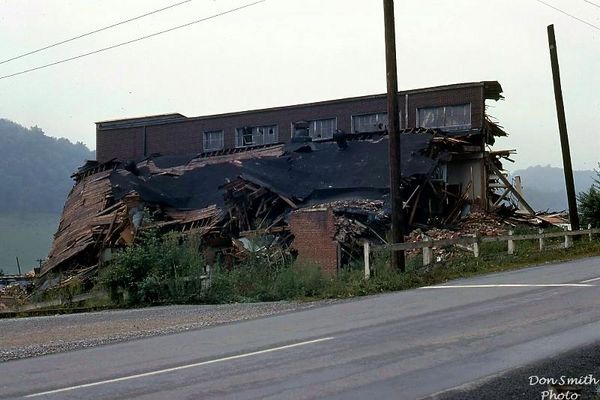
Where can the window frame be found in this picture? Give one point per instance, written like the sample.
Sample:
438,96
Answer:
372,113
204,140
255,130
448,127
310,131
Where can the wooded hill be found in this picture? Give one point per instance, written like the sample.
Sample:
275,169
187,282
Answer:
35,168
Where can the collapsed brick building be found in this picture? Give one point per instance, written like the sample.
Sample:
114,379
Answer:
314,174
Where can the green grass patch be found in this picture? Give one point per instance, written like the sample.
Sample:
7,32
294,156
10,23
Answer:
168,269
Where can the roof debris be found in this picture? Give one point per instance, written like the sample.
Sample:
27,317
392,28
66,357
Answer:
230,198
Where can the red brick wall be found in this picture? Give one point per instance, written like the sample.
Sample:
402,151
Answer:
123,144
186,137
314,232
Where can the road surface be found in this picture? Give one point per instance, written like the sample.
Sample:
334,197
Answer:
405,345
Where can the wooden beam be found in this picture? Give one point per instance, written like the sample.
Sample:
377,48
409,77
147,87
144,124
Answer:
496,171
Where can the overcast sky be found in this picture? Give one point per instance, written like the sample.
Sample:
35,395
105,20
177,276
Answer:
283,52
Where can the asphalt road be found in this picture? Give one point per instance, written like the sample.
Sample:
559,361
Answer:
406,345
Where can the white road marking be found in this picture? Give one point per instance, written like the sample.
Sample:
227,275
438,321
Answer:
166,370
509,285
591,280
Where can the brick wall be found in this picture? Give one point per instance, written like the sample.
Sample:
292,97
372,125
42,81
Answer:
314,232
186,137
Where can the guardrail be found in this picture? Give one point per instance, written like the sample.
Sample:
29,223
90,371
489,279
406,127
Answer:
473,243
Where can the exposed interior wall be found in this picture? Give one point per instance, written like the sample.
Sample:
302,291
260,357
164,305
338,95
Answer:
472,170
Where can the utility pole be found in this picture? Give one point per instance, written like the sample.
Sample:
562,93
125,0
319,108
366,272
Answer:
562,128
393,133
18,266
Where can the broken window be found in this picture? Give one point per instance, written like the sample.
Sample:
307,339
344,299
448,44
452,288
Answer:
214,140
256,135
447,117
369,122
440,173
322,128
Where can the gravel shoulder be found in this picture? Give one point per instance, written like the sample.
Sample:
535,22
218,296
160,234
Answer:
36,336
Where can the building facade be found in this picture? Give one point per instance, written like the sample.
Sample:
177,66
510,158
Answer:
459,107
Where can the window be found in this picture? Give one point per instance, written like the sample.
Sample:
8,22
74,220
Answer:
369,122
448,117
440,173
322,128
214,140
256,135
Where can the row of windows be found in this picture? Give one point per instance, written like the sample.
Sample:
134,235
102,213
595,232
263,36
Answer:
448,117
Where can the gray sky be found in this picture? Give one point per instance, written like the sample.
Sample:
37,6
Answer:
292,51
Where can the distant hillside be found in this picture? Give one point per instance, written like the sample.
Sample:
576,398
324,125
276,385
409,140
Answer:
35,172
544,186
35,168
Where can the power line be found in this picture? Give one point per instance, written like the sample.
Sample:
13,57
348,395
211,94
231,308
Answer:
592,3
134,40
94,31
569,15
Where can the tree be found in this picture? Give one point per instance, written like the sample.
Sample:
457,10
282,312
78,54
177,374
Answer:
589,203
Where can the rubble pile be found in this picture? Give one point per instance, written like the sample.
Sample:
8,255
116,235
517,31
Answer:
14,293
357,220
484,224
238,204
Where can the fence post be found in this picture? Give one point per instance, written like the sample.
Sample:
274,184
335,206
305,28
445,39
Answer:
568,240
511,243
541,232
427,251
590,233
476,245
367,253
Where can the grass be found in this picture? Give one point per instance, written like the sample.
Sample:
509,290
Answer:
459,265
166,270
494,259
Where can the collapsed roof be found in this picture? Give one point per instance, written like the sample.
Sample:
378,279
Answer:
221,195
183,186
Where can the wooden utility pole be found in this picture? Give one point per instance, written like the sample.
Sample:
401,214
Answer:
393,133
562,128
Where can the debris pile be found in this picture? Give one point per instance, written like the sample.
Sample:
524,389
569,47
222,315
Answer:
484,224
238,203
14,289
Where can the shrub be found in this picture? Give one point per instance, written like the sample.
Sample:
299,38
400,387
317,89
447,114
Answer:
157,269
589,204
298,281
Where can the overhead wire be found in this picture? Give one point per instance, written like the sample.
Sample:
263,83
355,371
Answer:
592,3
232,10
569,15
94,31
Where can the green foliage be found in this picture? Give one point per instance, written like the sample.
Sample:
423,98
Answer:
167,269
589,204
261,282
157,269
35,171
35,168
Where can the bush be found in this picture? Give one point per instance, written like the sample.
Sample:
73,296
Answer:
589,204
298,281
155,270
